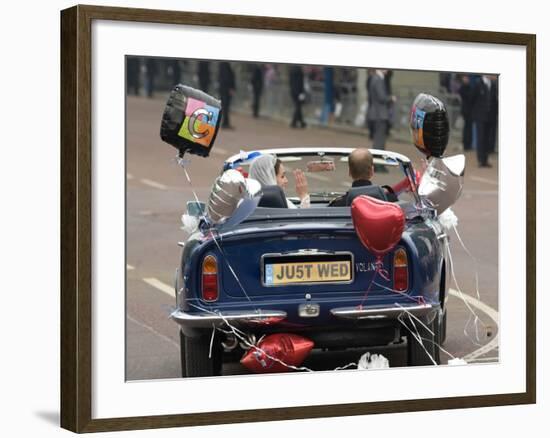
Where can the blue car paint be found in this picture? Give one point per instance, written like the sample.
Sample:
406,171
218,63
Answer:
424,252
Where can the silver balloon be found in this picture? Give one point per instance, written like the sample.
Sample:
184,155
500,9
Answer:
228,191
252,186
441,183
189,223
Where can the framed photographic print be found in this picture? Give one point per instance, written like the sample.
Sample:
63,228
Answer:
268,218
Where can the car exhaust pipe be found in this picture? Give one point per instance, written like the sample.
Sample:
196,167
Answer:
230,343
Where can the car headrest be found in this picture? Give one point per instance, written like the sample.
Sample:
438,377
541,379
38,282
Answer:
273,197
373,191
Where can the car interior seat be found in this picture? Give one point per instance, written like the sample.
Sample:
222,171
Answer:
273,197
374,191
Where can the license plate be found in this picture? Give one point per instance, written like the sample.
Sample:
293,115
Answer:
307,272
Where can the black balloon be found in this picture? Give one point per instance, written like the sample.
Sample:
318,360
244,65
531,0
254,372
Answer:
191,120
429,123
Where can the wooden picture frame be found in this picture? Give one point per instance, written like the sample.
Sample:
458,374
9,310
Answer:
76,217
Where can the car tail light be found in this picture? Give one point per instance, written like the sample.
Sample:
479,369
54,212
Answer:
210,278
400,270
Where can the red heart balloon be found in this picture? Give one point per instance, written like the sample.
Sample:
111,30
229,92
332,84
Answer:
379,224
286,347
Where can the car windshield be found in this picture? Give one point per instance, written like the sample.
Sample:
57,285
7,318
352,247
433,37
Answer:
328,176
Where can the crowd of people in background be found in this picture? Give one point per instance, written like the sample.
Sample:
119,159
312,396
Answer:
218,78
298,93
479,110
227,87
380,106
476,95
257,83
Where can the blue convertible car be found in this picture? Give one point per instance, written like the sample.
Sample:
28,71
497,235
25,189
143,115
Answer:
305,271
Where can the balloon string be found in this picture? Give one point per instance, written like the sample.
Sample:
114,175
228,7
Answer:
182,163
259,351
242,337
246,342
368,289
417,299
384,274
473,259
416,333
473,314
417,336
378,271
226,260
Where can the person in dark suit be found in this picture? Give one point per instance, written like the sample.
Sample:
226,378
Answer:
297,92
465,92
481,106
227,90
369,123
387,82
132,72
257,83
150,74
361,171
378,111
492,126
176,71
204,75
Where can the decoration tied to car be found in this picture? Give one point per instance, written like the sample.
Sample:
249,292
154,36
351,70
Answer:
378,224
277,353
227,193
429,125
190,121
441,183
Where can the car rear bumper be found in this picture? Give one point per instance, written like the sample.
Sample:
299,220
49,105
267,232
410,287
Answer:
381,312
207,320
216,319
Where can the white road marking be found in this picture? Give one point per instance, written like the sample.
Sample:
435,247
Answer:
130,267
154,184
490,312
163,287
482,350
221,151
481,192
484,180
485,359
129,176
151,329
